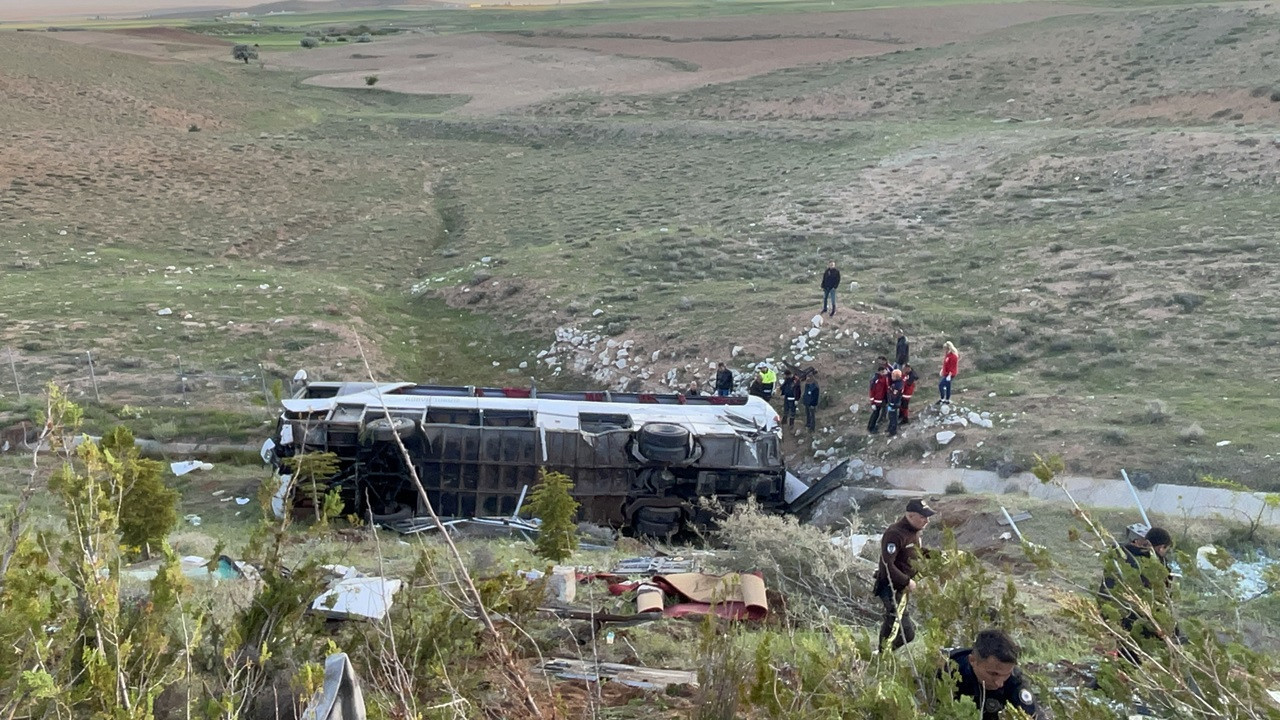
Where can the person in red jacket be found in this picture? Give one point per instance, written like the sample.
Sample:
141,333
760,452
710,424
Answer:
879,392
909,378
893,400
950,366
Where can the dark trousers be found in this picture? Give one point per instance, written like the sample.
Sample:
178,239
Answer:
891,600
788,411
877,412
904,417
944,390
892,411
723,392
810,416
829,295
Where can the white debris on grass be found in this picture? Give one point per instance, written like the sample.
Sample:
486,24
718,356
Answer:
183,467
945,437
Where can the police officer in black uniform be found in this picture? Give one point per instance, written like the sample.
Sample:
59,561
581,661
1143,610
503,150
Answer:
988,674
899,547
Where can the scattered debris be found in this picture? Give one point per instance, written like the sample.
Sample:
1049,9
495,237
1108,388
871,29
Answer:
1015,518
194,567
639,677
734,596
193,519
242,501
165,311
1246,579
856,543
945,437
356,596
340,698
182,467
653,565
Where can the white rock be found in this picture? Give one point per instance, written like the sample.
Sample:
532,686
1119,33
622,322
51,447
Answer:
623,353
164,311
974,417
264,286
853,335
808,358
620,363
543,353
1223,443
597,312
737,350
814,332
875,472
853,285
486,259
986,414
983,422
945,437
854,408
991,394
944,409
653,357
816,321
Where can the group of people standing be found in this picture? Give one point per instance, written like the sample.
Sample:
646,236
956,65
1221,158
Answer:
894,384
797,389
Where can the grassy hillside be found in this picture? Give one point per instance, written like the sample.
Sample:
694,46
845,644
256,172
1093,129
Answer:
1081,204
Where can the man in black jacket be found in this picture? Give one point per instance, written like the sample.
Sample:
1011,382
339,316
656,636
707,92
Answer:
724,380
830,281
988,674
899,547
811,394
903,355
1148,556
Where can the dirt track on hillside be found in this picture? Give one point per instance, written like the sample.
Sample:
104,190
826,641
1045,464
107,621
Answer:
502,72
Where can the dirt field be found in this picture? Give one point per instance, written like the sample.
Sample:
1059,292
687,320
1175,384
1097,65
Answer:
502,72
169,44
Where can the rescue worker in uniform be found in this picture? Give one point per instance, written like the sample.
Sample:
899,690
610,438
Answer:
988,674
768,379
1154,547
878,393
811,395
909,379
899,547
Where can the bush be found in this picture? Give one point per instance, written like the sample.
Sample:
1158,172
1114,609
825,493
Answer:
370,80
820,580
1191,434
1157,412
366,37
309,42
245,52
148,508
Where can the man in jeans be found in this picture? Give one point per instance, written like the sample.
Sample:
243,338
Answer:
810,400
830,281
724,380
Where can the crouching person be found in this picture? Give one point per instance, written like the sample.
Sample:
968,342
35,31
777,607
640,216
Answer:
988,674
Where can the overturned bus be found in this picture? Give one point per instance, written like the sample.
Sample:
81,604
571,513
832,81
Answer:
641,461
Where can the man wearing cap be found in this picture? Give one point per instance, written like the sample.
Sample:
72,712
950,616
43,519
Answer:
899,547
1142,554
988,674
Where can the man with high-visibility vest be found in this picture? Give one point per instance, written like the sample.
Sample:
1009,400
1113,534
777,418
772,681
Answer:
766,380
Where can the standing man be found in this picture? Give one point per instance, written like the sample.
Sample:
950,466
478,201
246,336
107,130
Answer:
904,350
899,547
724,380
811,393
879,391
790,394
988,674
830,282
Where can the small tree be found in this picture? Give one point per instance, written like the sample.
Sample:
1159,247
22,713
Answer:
309,42
148,508
365,38
245,53
311,475
370,80
552,502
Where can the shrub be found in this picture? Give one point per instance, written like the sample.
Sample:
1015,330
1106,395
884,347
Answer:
245,52
370,80
364,38
309,42
148,508
1191,434
1157,412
